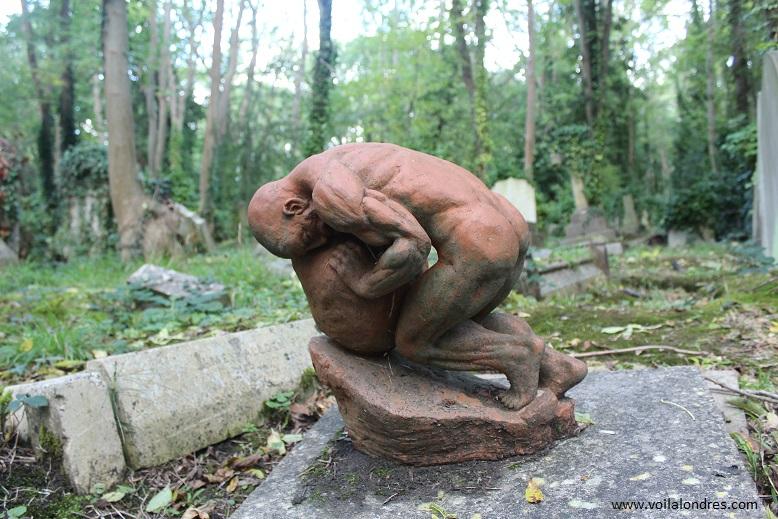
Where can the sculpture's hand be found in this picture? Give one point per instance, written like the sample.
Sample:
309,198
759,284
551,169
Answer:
347,263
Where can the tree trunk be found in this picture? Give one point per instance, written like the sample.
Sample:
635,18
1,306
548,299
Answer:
481,109
97,107
529,120
232,67
605,58
67,95
45,138
466,66
741,75
211,116
150,90
164,93
586,65
322,82
191,65
710,72
300,75
248,92
126,193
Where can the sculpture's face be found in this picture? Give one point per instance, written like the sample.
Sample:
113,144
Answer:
284,222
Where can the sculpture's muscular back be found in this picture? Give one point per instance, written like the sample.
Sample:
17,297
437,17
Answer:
439,194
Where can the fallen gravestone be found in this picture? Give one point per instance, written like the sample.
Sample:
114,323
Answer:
588,224
657,440
177,399
173,284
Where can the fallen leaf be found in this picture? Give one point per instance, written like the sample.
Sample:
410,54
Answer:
232,486
257,473
276,443
247,461
292,438
641,477
160,501
113,497
195,513
610,330
533,494
197,483
774,327
26,345
222,474
68,364
771,422
584,418
99,354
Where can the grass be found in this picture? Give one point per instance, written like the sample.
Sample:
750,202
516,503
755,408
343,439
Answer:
54,317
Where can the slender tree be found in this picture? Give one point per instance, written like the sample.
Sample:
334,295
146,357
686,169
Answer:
710,90
150,89
211,122
67,121
529,119
43,94
300,73
481,109
126,192
322,82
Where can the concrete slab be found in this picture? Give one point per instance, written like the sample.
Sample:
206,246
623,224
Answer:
79,415
734,418
177,399
642,447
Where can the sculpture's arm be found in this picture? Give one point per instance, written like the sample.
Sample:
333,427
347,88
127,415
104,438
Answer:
344,203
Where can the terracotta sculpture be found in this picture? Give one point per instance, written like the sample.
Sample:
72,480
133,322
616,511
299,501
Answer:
337,207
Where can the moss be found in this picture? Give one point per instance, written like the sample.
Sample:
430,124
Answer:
50,445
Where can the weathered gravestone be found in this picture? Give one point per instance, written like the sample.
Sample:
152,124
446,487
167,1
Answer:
658,440
7,255
765,215
629,222
521,194
588,225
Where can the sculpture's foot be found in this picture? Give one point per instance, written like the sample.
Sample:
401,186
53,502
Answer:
514,399
560,372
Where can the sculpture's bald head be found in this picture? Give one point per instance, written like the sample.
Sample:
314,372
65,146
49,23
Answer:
282,220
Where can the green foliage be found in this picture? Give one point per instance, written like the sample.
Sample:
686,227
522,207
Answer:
83,168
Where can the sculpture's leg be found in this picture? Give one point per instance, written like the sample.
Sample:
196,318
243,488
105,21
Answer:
558,372
435,328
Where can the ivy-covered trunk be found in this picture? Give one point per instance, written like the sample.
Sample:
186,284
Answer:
322,83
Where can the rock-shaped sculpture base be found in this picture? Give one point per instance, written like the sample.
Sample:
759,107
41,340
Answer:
421,416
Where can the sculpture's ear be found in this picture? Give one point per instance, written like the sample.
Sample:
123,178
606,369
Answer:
294,206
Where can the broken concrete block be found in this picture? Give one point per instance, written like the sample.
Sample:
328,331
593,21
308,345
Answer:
171,283
78,420
176,399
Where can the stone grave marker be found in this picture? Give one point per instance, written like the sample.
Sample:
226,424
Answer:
521,194
657,438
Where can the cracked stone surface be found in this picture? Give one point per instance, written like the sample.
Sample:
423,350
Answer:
641,447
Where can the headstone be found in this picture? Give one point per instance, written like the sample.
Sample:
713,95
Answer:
588,225
766,185
579,196
677,238
521,194
80,416
629,223
174,400
173,284
7,255
657,438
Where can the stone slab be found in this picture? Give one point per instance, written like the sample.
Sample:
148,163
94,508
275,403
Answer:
569,280
640,448
176,399
453,417
80,416
171,283
734,418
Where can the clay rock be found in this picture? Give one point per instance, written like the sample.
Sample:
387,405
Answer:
419,416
